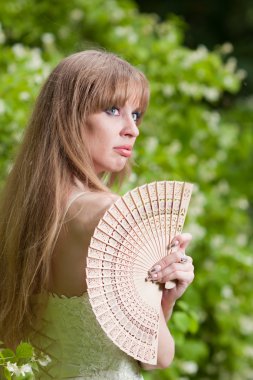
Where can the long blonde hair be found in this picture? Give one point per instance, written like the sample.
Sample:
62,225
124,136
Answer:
53,154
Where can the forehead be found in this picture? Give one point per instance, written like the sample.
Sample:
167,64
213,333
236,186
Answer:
132,102
132,92
114,89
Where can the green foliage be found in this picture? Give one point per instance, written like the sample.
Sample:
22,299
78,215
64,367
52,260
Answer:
22,364
193,131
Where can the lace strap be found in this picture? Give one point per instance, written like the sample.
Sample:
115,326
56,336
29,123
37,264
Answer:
74,196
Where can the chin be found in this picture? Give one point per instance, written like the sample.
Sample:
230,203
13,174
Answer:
117,169
113,167
117,166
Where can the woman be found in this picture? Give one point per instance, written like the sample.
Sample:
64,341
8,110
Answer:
84,125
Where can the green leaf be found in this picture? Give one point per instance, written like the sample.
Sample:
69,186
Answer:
8,354
7,374
34,366
24,351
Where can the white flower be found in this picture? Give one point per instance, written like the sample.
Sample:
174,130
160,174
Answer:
190,367
25,368
171,37
243,203
228,81
231,64
38,78
195,56
196,230
213,120
44,361
13,368
121,31
19,50
48,38
168,90
228,137
211,94
246,325
242,240
197,204
175,147
227,48
76,15
241,73
132,38
217,241
191,89
223,187
227,291
35,61
117,14
24,95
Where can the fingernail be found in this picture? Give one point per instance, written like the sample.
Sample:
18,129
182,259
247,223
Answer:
155,269
174,244
151,277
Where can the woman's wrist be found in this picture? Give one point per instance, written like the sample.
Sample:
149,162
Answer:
167,310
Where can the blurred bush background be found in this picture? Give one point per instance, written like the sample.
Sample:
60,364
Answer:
198,128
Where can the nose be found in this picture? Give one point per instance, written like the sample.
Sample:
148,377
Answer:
130,128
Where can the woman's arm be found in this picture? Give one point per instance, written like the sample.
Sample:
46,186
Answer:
166,346
178,267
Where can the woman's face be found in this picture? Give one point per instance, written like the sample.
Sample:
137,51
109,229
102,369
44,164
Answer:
111,135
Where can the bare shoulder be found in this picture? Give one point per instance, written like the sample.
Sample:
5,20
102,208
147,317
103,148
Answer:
69,258
86,211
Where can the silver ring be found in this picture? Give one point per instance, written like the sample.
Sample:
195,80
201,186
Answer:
184,259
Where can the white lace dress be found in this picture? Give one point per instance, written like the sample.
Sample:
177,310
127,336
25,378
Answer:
77,345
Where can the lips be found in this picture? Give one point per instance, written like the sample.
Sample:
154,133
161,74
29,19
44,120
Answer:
124,150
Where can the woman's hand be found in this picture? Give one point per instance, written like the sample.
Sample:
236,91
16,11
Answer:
174,267
177,267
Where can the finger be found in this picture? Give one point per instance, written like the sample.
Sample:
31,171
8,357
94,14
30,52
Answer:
181,240
166,261
172,270
186,277
175,266
181,276
184,258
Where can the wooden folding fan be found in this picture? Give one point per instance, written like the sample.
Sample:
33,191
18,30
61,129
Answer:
130,238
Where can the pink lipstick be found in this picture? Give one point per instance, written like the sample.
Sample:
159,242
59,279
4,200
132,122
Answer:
124,150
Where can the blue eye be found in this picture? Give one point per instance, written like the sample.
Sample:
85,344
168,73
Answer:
114,111
136,116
